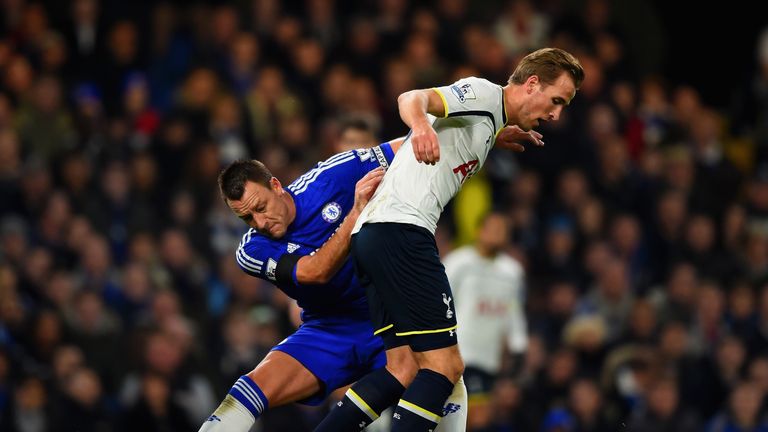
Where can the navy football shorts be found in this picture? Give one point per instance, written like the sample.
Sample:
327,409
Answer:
408,291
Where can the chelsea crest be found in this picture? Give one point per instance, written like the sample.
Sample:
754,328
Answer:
331,212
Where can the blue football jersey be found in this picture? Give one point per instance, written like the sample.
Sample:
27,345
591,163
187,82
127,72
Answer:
323,196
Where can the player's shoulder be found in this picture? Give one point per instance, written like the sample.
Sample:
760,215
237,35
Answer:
248,251
460,256
323,175
510,264
473,87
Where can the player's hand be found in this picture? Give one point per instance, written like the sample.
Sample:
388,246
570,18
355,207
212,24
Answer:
366,186
512,137
425,144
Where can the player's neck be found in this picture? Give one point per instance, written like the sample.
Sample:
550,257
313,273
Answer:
512,93
485,251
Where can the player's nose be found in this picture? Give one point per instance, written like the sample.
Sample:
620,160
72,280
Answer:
555,114
259,220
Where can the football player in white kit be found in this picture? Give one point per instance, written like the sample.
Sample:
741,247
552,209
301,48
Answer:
488,289
452,130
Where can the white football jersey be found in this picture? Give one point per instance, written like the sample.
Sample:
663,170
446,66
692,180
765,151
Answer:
416,193
488,294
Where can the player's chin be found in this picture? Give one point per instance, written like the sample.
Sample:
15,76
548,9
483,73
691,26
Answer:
277,232
530,124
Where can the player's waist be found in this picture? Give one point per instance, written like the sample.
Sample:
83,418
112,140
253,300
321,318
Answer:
419,220
353,311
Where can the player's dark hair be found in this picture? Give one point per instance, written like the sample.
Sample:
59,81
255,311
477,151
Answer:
548,64
232,179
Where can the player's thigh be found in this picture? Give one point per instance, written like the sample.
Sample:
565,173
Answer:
403,266
283,379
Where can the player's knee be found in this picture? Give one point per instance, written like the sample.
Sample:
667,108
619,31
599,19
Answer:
453,368
457,369
447,363
404,371
403,366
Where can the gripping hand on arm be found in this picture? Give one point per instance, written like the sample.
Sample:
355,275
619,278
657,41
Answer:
322,265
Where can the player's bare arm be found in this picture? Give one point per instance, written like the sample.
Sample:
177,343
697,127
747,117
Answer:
320,267
414,106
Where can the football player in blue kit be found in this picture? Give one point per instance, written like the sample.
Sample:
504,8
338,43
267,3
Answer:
299,239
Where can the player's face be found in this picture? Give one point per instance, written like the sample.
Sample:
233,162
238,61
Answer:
494,233
263,208
545,102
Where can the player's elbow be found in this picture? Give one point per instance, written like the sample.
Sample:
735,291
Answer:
404,98
321,278
307,273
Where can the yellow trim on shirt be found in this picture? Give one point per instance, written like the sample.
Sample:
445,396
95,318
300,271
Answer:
426,331
442,97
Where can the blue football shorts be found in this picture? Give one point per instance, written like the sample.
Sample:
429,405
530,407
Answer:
338,351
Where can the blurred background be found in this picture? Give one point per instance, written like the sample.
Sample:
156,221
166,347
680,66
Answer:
642,226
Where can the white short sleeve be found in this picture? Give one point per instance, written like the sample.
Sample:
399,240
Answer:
469,94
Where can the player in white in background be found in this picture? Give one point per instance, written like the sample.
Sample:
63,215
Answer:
488,291
452,130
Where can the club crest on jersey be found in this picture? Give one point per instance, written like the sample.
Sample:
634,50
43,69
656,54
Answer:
463,92
331,212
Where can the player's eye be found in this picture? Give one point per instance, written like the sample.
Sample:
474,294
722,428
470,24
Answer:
246,217
558,101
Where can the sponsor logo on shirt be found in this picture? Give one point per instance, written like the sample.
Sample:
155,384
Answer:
463,92
331,212
466,170
451,408
292,247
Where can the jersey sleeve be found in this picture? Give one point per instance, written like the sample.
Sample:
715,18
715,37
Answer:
267,259
469,95
374,157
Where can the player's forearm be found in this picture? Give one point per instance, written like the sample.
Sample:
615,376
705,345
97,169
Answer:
413,107
322,265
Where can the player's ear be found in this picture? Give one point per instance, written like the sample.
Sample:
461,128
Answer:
275,185
531,83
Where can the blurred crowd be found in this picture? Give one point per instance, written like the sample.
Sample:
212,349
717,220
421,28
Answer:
642,225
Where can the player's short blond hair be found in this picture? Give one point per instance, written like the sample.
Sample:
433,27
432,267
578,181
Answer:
548,64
